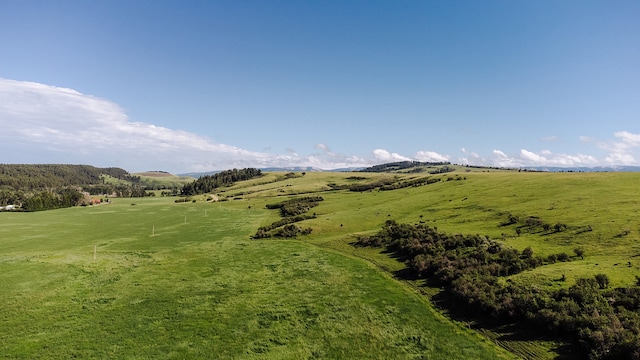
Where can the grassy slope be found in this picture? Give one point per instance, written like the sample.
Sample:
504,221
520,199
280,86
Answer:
205,290
202,290
478,204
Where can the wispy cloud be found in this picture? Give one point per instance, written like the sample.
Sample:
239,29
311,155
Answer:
70,126
385,156
42,123
547,158
525,158
501,159
431,156
551,138
63,125
624,149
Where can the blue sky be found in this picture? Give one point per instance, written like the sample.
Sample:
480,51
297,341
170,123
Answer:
203,85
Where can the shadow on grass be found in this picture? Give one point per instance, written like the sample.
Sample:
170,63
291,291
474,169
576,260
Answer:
512,336
521,339
395,255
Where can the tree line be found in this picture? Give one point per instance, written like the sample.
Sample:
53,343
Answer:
383,184
401,165
206,184
43,176
470,268
52,186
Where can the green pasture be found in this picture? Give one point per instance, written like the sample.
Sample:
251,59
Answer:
601,212
152,279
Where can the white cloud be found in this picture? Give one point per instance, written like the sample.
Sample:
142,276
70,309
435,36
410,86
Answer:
629,139
475,158
431,156
500,154
65,126
501,159
620,159
550,159
544,158
533,157
323,147
384,155
624,150
47,124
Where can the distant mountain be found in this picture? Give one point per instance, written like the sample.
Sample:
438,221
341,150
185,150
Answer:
291,168
309,169
432,167
612,168
349,169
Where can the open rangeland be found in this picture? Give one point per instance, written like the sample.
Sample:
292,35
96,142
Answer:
150,278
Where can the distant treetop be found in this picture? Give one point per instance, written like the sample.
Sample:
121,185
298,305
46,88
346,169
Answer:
402,165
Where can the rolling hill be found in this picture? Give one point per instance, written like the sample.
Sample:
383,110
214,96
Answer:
198,265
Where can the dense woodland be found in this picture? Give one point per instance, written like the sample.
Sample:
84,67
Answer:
47,176
471,269
208,183
51,186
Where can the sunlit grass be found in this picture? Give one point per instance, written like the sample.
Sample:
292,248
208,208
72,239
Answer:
187,281
149,278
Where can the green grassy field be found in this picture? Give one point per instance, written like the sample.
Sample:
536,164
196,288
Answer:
186,281
478,203
599,209
149,278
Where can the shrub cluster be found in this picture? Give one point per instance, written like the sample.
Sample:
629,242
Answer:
291,211
469,267
444,257
385,184
370,186
533,224
297,206
410,183
265,231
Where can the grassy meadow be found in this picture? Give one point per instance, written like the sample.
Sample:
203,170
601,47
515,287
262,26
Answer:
601,212
151,279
